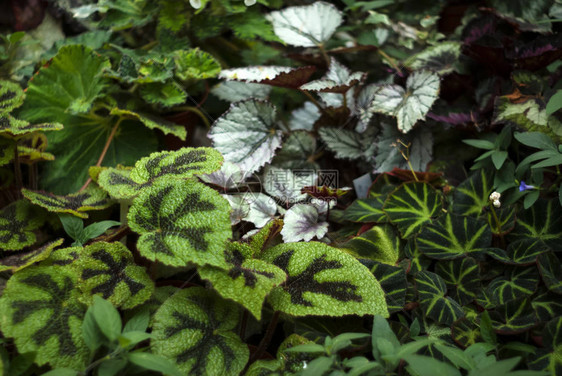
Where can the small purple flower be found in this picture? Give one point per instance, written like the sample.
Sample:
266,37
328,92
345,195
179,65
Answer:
525,187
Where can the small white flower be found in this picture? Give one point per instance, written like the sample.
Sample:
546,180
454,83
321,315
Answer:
304,365
497,203
195,3
249,3
495,196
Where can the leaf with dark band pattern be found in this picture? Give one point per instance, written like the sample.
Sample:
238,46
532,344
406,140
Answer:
17,223
433,300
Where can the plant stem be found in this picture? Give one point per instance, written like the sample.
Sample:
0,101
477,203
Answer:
390,61
498,224
324,54
104,151
266,338
243,324
196,111
17,170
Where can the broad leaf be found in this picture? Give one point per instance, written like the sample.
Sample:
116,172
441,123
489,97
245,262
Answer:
108,269
542,221
516,316
338,80
439,58
366,210
17,223
348,144
118,183
551,271
271,75
436,305
518,283
182,164
235,91
167,94
262,209
195,64
472,195
548,358
411,206
92,198
287,185
301,222
453,236
306,26
305,117
380,243
11,96
247,134
408,105
153,122
547,305
465,332
521,252
194,329
393,282
181,222
15,128
22,260
229,176
41,311
323,281
247,281
297,152
462,278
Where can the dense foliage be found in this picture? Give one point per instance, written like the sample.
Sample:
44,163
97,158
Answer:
225,187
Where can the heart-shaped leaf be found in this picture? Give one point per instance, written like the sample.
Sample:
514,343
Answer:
473,194
439,58
181,222
195,64
433,300
323,281
247,135
194,329
118,183
411,206
393,282
551,271
542,221
516,316
306,26
301,222
517,283
462,278
521,252
17,223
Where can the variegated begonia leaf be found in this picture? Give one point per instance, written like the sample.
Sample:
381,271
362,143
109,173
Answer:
530,115
408,105
247,134
348,144
551,271
108,269
240,207
194,328
270,75
304,118
153,122
259,240
22,260
542,221
306,26
15,128
182,164
229,176
380,243
181,222
297,152
11,96
247,281
521,252
549,357
466,332
514,284
323,281
473,194
118,183
63,256
339,79
365,210
393,282
462,277
41,310
439,58
453,236
235,91
411,206
302,222
547,305
17,223
516,316
92,198
436,305
286,185
263,209
7,149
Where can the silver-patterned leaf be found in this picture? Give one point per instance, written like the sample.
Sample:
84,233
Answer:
234,91
302,222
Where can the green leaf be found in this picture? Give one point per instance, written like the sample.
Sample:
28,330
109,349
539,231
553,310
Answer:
166,94
551,271
393,282
323,281
247,135
427,366
15,128
439,58
11,96
17,224
547,305
151,121
22,260
554,103
195,64
411,206
366,210
73,225
108,270
92,334
432,290
472,195
246,281
111,367
521,252
517,283
41,311
139,322
61,372
234,91
348,144
516,316
462,278
92,198
181,222
465,332
181,164
453,236
300,25
536,140
408,105
380,243
118,183
548,359
107,318
480,144
542,221
338,79
154,362
96,229
194,329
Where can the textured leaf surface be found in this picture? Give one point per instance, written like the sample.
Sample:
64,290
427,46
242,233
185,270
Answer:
462,278
411,206
229,176
153,122
542,221
436,305
235,91
519,282
338,80
108,270
379,243
11,96
348,144
181,222
271,75
182,163
13,127
365,210
301,222
247,281
195,64
408,105
194,329
453,236
472,195
41,311
393,282
516,316
323,281
286,185
262,209
306,26
247,134
17,222
118,183
22,260
439,58
92,198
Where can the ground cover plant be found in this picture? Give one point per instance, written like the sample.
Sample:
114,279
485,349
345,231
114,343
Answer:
225,187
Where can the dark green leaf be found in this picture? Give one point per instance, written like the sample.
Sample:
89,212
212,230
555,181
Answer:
472,195
380,243
543,221
17,223
517,283
462,277
551,271
432,290
516,316
154,362
393,282
73,225
96,229
107,318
